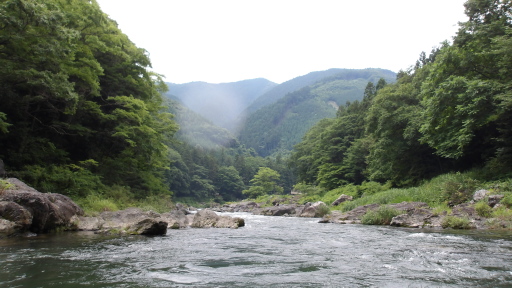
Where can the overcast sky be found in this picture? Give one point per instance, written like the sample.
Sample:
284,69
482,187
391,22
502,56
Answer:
231,40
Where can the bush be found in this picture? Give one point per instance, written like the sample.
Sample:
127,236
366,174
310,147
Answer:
459,189
94,204
322,211
380,216
442,209
507,200
456,222
483,210
4,185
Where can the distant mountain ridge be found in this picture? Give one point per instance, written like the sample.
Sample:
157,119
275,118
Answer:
220,103
278,126
198,131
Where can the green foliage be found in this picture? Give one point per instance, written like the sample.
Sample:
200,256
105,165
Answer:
380,216
507,201
442,209
4,185
94,204
483,210
77,90
459,189
278,127
456,222
322,211
264,182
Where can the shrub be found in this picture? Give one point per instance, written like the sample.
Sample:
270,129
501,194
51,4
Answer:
483,210
4,185
322,211
442,209
380,216
459,189
94,204
507,200
456,222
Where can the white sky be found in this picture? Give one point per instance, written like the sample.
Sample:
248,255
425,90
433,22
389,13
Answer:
231,40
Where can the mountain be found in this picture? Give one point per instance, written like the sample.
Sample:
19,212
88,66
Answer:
279,126
196,130
279,91
220,103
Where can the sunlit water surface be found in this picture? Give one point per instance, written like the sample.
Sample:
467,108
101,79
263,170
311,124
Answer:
267,252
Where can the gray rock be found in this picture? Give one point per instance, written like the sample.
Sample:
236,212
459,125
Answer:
341,199
480,195
351,217
130,221
210,219
176,219
277,210
417,218
48,211
493,200
314,210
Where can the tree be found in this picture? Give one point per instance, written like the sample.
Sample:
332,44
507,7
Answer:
264,182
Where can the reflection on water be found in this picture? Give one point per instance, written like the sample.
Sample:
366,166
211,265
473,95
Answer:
268,251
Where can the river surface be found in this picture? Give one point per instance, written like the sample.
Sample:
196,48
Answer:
267,252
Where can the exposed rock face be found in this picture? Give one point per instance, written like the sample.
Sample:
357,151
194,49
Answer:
314,210
278,210
130,221
31,210
354,216
176,219
418,218
341,199
351,217
209,219
493,200
480,195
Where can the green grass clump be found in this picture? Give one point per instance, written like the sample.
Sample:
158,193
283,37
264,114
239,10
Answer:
442,209
94,204
380,216
4,185
483,209
456,222
507,200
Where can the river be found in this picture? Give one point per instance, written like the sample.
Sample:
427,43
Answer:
267,252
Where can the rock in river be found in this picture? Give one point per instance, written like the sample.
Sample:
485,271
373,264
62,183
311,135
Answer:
22,209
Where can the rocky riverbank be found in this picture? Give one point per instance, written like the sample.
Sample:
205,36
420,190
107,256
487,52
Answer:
25,210
409,214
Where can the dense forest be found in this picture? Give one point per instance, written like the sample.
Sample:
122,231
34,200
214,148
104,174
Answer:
276,128
82,114
448,112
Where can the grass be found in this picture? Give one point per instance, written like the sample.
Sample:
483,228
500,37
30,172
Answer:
456,222
380,216
483,209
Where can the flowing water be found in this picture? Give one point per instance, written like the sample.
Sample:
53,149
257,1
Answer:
267,252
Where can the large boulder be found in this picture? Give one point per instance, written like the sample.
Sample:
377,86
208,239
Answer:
341,199
280,210
35,211
351,217
210,219
176,219
129,221
317,209
480,195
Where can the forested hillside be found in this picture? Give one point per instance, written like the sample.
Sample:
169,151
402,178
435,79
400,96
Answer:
220,103
80,110
198,131
450,112
297,83
279,126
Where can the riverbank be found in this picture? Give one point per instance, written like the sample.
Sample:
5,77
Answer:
26,211
484,211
